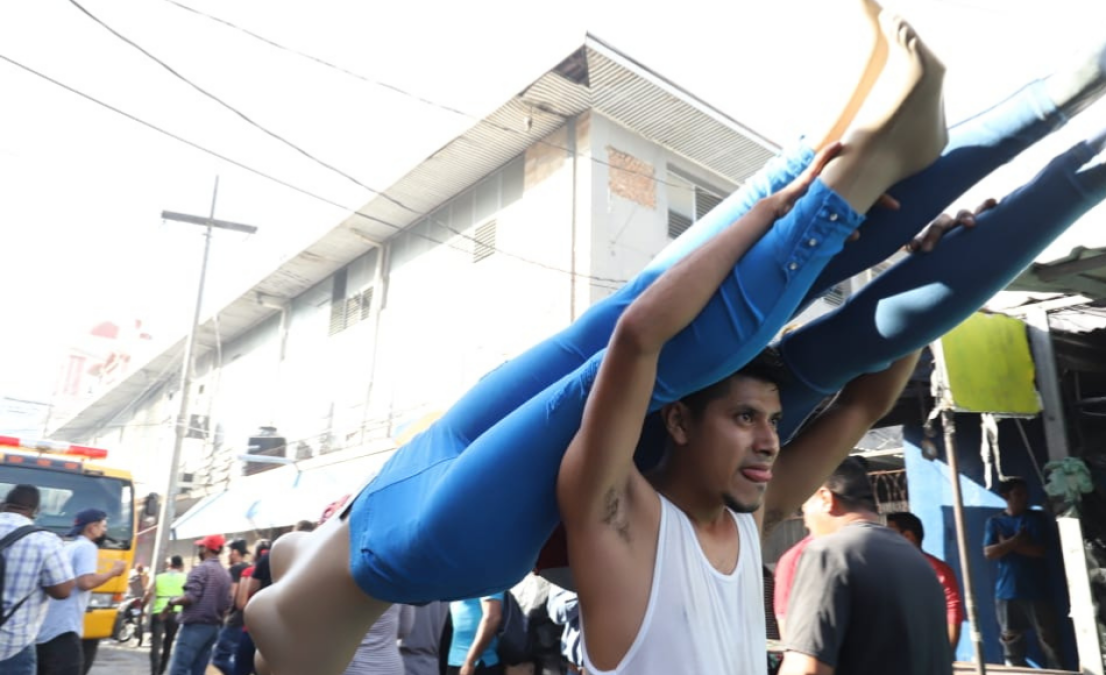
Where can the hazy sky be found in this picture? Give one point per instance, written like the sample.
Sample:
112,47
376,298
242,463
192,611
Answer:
83,187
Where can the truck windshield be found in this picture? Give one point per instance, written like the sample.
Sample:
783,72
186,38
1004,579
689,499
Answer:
64,494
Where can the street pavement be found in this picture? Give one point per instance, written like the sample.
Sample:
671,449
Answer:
113,658
126,659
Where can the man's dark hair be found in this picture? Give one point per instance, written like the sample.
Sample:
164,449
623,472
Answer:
768,366
304,526
849,483
176,562
23,497
240,546
908,522
1007,486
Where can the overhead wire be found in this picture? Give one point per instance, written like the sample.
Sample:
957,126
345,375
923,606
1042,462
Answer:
382,194
422,99
599,281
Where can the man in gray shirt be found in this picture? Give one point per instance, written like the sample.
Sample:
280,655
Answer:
421,646
205,601
864,599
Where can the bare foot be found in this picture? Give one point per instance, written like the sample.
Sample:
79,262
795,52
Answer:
1081,83
313,617
867,33
901,128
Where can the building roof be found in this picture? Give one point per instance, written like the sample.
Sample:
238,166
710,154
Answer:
594,77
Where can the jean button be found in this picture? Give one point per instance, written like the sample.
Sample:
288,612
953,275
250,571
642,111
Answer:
833,217
812,243
793,266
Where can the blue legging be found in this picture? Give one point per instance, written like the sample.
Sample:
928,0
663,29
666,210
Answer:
926,295
464,508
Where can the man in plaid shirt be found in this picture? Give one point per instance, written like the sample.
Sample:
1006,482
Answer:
35,569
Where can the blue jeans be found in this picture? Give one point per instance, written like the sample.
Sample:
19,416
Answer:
22,663
225,648
193,649
243,656
520,418
926,295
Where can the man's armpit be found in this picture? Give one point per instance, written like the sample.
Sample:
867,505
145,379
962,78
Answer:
614,514
772,518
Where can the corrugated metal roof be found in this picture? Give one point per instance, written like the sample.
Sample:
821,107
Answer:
620,89
1081,272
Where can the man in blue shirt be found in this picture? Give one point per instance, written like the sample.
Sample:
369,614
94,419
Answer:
59,638
1019,538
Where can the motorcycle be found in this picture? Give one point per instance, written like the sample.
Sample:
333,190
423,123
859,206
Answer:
128,621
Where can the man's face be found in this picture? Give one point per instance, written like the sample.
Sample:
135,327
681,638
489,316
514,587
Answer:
1017,500
96,531
909,536
816,513
234,556
734,442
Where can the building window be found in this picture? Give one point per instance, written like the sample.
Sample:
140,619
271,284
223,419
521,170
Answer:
688,201
451,224
351,296
484,241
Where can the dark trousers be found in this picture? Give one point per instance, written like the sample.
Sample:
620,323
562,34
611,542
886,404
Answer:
88,648
162,634
243,656
61,656
1017,616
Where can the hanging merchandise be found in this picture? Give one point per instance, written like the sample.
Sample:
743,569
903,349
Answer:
988,447
1068,480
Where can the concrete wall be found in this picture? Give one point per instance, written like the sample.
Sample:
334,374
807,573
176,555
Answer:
631,193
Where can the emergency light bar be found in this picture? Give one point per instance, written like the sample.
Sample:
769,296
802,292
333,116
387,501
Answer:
55,447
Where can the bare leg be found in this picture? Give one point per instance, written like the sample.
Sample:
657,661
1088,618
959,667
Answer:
311,620
900,129
868,33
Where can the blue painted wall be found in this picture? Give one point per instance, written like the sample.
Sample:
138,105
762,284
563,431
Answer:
931,500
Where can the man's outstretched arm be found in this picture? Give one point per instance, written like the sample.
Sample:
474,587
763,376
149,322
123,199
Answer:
806,462
600,458
606,505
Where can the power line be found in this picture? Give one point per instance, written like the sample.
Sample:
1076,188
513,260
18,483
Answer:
282,139
602,281
418,98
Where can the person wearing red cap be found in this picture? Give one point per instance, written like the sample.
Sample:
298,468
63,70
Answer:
205,601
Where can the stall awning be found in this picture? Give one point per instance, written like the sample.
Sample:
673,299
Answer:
277,498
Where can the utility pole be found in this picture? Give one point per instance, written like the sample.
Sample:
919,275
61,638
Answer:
168,504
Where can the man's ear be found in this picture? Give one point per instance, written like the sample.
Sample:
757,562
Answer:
675,417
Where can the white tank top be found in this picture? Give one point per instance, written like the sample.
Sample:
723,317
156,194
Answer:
699,621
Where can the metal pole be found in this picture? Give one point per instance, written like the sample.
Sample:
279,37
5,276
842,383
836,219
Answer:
168,504
948,423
